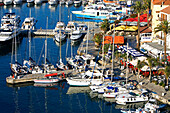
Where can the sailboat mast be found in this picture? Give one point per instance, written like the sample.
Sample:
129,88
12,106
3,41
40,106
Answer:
103,56
71,45
15,44
113,55
87,39
60,45
127,62
29,35
46,42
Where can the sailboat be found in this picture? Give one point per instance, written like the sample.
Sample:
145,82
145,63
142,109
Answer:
60,65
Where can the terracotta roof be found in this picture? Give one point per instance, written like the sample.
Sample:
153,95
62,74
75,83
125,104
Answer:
117,40
159,2
166,10
148,30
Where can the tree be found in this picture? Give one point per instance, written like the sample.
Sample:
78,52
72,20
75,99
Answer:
166,71
138,8
150,64
105,25
164,27
140,64
147,5
98,38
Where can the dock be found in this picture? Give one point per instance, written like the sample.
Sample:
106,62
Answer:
32,77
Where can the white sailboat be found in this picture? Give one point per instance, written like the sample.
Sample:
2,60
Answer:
60,65
53,2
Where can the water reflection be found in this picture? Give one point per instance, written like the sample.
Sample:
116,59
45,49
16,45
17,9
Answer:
75,90
6,47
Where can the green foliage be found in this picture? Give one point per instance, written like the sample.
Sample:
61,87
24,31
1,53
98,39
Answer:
117,21
163,26
161,83
133,15
98,37
147,4
138,7
105,25
156,83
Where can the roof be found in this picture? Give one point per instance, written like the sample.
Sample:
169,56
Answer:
145,29
159,2
157,46
117,40
166,10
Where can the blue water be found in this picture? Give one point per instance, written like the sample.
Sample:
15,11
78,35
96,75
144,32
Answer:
26,98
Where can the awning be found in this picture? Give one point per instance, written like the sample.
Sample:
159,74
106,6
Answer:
132,28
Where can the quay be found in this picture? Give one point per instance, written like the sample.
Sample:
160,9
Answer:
50,32
32,77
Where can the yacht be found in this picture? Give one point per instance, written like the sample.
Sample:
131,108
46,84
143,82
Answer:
130,98
60,25
95,13
8,33
69,2
71,26
9,27
10,19
37,2
17,2
84,80
76,35
49,78
62,2
30,2
7,2
77,3
53,2
29,23
82,27
59,36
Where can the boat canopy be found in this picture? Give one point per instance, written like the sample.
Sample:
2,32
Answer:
52,74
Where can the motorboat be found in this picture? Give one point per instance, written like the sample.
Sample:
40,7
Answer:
30,1
17,2
7,2
77,2
76,35
10,19
130,98
69,2
37,2
60,36
8,33
82,27
53,2
49,78
95,13
29,23
60,26
71,26
62,2
116,91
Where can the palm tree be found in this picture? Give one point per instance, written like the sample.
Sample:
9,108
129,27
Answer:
105,25
147,5
150,64
166,71
164,27
140,64
138,8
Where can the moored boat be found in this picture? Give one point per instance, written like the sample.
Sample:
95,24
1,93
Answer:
76,35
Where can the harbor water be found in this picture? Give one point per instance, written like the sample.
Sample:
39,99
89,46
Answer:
53,98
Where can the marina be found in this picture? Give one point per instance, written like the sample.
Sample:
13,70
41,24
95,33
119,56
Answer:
55,64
